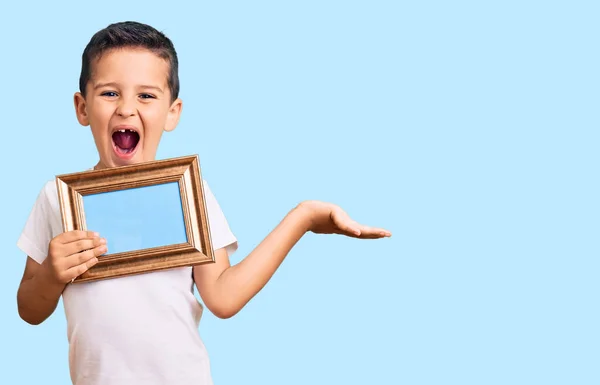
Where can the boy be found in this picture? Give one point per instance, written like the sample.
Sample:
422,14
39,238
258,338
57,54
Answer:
143,329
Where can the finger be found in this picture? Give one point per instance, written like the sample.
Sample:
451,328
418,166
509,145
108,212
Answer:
85,256
371,236
75,235
77,270
370,229
374,232
83,244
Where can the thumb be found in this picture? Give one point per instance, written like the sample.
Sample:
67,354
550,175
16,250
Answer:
345,223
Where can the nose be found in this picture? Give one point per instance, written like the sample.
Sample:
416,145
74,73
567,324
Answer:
125,108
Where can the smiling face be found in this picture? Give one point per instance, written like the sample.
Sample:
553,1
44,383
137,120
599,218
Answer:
128,106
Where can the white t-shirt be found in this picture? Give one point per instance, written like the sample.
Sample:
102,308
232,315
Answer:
140,329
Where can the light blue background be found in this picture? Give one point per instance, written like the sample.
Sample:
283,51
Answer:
469,129
137,218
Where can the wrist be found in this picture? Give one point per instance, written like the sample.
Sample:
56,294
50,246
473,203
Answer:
314,213
304,214
47,280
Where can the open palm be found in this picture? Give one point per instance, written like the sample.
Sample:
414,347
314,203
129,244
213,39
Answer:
328,218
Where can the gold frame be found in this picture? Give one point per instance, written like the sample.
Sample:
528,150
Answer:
184,170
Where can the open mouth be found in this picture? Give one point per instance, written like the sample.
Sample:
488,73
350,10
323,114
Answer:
125,141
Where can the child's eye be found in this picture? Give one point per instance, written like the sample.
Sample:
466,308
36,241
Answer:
147,96
109,93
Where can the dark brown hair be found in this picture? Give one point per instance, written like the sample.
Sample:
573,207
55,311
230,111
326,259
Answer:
130,34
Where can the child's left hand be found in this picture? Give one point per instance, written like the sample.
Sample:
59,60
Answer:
327,218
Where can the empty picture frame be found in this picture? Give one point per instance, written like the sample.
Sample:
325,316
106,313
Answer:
153,215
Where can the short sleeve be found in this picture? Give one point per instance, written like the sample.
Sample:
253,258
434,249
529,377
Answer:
37,232
220,233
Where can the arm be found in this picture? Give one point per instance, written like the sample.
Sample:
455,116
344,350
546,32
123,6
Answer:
38,295
227,289
69,255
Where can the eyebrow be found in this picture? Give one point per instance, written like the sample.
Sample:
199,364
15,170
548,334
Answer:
112,84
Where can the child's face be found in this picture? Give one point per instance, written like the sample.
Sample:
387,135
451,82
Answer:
128,106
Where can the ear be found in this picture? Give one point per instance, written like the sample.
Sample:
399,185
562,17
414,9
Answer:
81,109
173,115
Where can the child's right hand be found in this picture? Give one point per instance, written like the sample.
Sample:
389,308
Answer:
72,253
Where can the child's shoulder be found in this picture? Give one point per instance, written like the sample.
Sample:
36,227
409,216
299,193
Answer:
49,186
47,189
48,194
